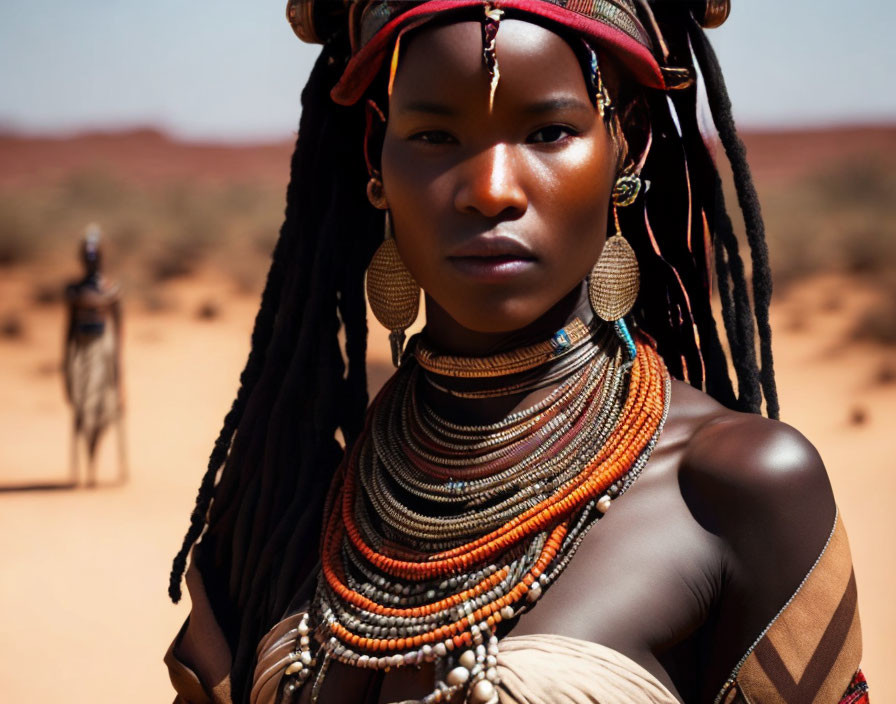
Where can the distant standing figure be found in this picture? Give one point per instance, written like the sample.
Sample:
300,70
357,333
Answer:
92,358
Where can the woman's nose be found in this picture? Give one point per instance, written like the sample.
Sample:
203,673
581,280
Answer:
491,185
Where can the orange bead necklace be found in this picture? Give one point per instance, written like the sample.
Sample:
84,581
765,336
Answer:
423,558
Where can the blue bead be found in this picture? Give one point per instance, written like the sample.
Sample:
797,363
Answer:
560,341
626,337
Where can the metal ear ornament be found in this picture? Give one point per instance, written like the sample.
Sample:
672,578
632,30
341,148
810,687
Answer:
616,279
626,191
393,293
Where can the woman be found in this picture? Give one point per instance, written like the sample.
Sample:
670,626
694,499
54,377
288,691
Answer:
518,152
92,358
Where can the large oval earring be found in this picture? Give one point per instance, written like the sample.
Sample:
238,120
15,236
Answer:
615,279
393,293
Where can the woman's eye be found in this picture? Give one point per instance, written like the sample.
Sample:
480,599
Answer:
433,137
552,133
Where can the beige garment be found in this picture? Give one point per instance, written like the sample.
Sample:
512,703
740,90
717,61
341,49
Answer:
537,669
549,669
91,374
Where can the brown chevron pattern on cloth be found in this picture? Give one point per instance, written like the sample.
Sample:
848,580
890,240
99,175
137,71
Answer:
810,652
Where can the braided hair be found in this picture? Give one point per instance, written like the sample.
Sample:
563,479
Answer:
260,503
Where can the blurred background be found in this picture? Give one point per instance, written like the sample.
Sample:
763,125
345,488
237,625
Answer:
171,124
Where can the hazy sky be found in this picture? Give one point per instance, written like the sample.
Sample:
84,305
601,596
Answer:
224,69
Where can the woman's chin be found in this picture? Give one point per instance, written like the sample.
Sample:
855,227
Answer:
483,315
497,320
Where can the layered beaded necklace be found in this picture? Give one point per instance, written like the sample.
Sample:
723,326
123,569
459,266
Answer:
437,532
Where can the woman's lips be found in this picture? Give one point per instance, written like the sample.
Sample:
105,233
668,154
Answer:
492,268
492,258
488,246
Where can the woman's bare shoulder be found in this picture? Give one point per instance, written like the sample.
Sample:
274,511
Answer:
762,487
745,466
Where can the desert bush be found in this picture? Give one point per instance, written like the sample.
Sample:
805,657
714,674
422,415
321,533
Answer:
860,181
885,374
842,218
154,300
175,260
47,293
12,327
20,233
208,310
878,322
92,189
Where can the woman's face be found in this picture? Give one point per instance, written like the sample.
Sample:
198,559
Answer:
498,214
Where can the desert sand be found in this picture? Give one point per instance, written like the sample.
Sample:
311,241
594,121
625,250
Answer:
86,616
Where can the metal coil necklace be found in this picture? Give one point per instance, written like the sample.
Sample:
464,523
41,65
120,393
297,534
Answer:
437,532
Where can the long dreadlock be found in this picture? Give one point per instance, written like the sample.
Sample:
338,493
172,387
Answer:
278,446
277,450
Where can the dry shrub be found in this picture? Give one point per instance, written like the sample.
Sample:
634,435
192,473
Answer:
152,233
862,180
12,327
92,189
155,301
208,310
862,253
47,293
885,374
173,262
858,416
878,322
20,234
839,218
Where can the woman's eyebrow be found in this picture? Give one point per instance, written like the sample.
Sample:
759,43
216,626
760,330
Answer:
556,105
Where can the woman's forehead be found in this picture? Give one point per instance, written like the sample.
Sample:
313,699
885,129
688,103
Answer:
447,60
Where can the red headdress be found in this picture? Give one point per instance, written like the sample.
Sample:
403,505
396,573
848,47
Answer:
614,25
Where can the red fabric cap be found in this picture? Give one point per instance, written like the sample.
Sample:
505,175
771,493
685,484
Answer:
364,66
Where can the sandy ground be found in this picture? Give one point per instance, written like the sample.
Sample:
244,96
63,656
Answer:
84,573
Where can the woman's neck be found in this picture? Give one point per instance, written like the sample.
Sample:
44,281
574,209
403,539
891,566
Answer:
448,337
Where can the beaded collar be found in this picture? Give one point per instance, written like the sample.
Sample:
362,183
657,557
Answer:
561,343
438,532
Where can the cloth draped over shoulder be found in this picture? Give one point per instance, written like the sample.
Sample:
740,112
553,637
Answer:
809,653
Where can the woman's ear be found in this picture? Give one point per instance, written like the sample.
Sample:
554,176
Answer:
374,135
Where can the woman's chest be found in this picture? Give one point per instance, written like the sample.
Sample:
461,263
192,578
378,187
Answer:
644,573
642,580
